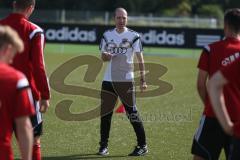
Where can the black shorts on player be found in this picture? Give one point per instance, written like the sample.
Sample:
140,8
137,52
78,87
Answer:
37,120
210,139
234,153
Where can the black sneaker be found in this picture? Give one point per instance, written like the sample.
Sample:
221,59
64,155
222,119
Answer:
103,151
139,151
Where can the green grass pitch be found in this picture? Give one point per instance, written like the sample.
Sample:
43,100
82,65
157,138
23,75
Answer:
170,119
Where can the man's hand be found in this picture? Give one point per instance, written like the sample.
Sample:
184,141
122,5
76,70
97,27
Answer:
229,129
143,86
107,56
44,104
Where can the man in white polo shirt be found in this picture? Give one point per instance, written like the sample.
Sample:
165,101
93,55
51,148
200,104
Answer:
118,47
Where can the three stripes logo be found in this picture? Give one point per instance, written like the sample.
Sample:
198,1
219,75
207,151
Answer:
203,40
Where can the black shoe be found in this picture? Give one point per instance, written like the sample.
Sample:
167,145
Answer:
139,151
103,151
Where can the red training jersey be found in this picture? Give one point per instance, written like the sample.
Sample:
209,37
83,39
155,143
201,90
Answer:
232,74
214,57
15,101
31,61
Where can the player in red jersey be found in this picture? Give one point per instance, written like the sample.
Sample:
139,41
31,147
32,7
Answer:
31,62
227,115
15,99
210,138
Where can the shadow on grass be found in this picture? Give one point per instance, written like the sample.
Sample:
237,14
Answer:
83,156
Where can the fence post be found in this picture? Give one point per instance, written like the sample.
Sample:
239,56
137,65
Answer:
106,18
63,16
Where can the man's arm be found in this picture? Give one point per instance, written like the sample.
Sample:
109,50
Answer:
143,84
105,56
25,136
215,90
39,72
202,84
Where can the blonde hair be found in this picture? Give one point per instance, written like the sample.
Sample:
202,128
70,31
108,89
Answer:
10,36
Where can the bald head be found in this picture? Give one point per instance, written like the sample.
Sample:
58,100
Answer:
120,10
120,19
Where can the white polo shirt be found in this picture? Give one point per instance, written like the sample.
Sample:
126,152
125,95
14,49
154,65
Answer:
123,46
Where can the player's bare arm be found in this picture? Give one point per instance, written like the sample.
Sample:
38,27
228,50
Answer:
215,90
202,84
25,137
143,84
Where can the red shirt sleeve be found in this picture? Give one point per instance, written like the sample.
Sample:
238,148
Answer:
203,63
232,72
38,63
24,101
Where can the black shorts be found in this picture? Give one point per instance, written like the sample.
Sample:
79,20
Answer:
234,149
37,120
210,139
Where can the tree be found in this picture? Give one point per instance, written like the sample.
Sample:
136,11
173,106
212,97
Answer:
211,10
